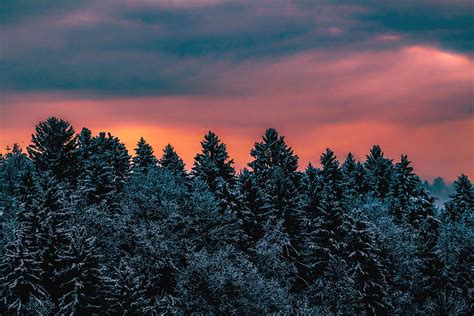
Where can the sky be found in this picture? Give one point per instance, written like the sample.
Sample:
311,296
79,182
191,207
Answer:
341,74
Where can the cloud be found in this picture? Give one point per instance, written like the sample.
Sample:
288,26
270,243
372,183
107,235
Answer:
305,67
163,47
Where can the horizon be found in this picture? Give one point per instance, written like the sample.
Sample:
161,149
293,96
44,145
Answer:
344,76
239,166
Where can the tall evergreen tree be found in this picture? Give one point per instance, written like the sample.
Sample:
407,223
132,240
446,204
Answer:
53,149
144,157
433,281
212,165
272,153
81,276
462,200
327,231
172,162
379,172
53,236
105,168
275,170
367,270
406,189
354,174
126,291
20,284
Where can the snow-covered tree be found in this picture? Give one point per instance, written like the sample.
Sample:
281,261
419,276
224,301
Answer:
379,172
354,175
53,236
172,162
462,200
53,149
126,292
20,284
275,170
144,156
213,165
105,168
406,189
81,277
367,271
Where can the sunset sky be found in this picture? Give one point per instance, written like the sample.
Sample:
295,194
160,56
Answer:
346,75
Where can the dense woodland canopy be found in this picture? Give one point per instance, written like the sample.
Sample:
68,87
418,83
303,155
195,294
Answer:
86,228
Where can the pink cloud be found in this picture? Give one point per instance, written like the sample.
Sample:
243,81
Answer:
415,100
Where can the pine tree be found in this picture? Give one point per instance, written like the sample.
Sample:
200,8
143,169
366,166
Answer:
120,160
212,165
272,153
81,276
12,166
97,182
458,240
144,156
105,168
326,233
254,205
354,174
53,237
406,189
433,283
331,174
367,270
21,263
126,294
53,149
379,172
462,200
275,170
20,281
29,216
172,162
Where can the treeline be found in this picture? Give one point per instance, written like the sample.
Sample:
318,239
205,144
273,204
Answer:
87,229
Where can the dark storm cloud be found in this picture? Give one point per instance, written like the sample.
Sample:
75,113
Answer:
449,24
181,47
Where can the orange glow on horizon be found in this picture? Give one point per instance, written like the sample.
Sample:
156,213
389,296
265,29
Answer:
412,101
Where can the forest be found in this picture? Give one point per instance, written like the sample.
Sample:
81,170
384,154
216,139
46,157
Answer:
89,228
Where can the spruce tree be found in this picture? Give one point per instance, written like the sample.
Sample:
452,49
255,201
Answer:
366,270
212,165
379,171
462,200
431,287
406,189
20,284
172,162
272,153
105,168
275,170
144,157
354,174
254,205
327,231
53,149
81,277
53,236
126,291
458,240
